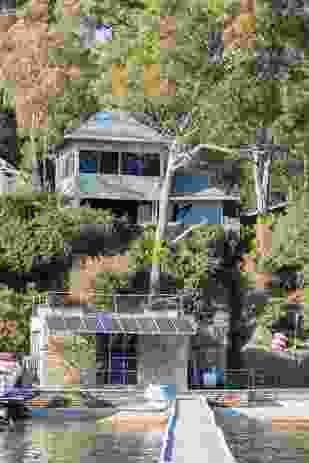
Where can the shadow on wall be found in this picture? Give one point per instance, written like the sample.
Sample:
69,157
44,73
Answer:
280,368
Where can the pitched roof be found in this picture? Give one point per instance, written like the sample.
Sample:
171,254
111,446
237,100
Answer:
116,126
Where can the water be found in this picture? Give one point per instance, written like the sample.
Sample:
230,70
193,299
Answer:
254,442
75,441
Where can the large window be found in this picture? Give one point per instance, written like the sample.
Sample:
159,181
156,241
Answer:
116,359
192,214
114,163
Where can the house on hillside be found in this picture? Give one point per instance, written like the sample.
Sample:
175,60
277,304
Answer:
113,161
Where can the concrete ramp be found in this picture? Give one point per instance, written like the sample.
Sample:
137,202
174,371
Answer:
198,438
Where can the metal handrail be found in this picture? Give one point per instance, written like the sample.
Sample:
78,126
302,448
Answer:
44,300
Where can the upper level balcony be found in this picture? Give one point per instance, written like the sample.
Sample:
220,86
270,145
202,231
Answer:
110,175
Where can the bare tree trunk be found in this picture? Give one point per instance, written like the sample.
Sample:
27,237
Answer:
162,224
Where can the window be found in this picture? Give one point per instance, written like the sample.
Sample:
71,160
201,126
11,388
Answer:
132,164
152,165
196,214
116,359
146,165
87,162
109,163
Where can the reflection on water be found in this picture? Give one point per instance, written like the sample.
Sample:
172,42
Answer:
253,442
75,441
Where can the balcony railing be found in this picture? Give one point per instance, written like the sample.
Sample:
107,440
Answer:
118,303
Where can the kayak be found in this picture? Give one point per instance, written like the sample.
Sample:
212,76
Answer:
73,412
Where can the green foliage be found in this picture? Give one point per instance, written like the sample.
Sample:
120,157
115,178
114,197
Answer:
106,283
216,7
16,306
265,316
248,235
38,227
80,351
289,241
190,262
266,220
143,252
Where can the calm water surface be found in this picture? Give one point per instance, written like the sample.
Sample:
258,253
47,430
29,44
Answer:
253,442
75,441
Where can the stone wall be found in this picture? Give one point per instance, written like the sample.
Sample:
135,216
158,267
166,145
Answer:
163,360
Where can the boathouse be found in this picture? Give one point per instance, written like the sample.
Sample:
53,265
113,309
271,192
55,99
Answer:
142,348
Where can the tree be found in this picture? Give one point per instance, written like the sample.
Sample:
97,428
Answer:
208,258
289,251
39,227
16,306
239,117
55,88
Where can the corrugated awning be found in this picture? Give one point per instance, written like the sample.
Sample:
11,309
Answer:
121,324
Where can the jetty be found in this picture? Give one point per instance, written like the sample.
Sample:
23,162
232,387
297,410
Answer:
198,437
